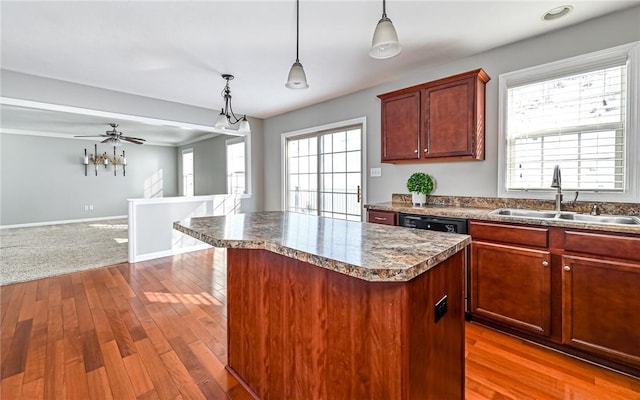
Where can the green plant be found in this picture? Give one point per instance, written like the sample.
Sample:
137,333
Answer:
420,182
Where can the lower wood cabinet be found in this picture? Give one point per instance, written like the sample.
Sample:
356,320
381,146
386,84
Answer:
512,285
601,307
575,290
382,217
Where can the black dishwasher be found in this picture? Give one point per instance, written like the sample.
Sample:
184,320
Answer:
434,223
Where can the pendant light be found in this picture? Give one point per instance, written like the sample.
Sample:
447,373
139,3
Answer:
385,39
297,78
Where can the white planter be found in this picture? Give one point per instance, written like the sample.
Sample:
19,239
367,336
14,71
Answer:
418,199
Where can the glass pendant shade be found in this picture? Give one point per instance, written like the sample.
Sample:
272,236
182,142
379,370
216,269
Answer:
222,121
385,40
297,77
244,125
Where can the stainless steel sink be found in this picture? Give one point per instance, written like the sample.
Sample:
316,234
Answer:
568,216
515,212
601,219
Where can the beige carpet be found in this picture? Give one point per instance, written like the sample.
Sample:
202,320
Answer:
38,252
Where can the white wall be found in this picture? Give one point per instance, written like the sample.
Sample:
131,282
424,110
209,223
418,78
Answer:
209,165
477,178
42,179
39,175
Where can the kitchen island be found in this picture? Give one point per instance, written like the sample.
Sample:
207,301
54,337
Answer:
320,308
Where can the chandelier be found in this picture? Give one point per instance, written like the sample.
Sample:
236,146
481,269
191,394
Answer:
104,159
226,118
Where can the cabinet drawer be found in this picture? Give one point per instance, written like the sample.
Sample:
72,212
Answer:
514,234
382,217
603,244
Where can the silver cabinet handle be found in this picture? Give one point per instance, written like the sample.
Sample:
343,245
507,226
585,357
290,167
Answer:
545,264
415,151
426,150
567,268
379,218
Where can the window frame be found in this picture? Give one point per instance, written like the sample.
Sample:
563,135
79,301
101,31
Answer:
191,151
631,52
362,121
236,140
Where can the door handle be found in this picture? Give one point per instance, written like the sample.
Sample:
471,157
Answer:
358,193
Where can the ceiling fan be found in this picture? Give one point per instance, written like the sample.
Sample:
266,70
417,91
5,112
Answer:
115,137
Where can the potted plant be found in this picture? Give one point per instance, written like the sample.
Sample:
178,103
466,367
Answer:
420,185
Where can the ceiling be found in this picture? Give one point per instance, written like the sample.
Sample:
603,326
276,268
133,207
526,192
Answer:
177,50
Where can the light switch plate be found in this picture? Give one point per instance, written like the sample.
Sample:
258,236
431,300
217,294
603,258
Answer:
376,172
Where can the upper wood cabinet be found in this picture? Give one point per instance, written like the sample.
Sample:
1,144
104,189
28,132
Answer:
401,127
441,120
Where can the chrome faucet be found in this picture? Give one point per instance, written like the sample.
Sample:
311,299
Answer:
595,210
556,182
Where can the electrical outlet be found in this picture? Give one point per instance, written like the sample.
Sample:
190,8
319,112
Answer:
86,207
90,207
376,172
441,308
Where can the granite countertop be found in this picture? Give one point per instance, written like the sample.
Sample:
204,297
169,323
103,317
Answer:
371,252
483,215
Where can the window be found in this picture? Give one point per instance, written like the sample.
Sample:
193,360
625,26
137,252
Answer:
187,172
323,172
236,166
577,114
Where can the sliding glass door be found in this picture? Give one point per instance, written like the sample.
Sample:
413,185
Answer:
324,173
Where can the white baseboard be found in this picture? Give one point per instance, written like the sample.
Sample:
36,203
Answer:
68,221
168,253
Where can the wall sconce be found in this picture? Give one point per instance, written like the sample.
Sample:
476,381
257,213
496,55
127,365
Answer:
104,159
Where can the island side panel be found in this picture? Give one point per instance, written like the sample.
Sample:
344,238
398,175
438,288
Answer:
298,331
438,344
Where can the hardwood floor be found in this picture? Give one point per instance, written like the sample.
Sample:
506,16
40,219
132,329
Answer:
157,330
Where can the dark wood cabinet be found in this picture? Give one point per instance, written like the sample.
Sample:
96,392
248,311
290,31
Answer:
511,283
441,120
401,122
600,307
574,290
382,217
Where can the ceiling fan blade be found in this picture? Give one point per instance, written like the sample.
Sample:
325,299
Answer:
92,136
134,138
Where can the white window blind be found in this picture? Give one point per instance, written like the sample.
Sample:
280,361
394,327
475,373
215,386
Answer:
577,121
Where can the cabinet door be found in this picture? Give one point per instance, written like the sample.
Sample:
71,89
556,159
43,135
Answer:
601,307
448,115
512,285
401,127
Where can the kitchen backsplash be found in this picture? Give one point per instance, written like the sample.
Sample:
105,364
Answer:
495,202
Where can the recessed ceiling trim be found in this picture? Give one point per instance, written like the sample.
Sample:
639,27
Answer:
9,131
108,114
